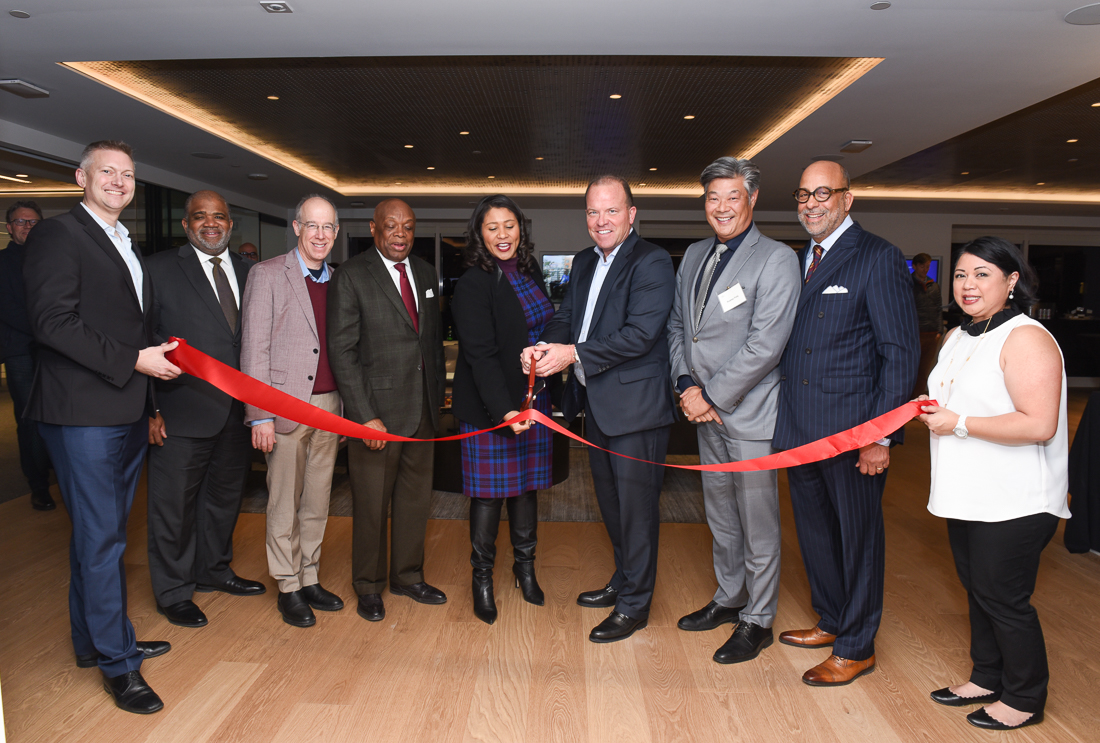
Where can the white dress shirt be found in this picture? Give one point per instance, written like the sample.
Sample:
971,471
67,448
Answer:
120,238
603,266
397,276
207,263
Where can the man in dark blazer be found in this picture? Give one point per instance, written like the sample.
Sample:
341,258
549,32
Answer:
610,329
385,345
90,302
852,356
200,455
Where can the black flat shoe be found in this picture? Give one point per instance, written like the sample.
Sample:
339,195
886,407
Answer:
183,614
320,599
41,500
234,586
747,641
981,719
602,598
616,627
295,609
371,607
420,592
150,649
709,617
951,699
132,694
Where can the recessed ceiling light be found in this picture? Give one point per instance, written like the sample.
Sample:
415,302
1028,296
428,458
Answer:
275,7
21,175
431,167
463,133
1072,160
257,176
19,14
881,5
689,117
477,152
868,186
273,97
965,172
855,145
23,89
1070,141
615,96
1096,105
408,147
641,184
492,176
652,169
357,204
1041,183
538,158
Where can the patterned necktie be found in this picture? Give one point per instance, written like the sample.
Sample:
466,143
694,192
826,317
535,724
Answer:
704,288
225,294
818,252
407,296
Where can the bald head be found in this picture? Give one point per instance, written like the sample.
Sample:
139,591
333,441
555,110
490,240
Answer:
822,218
393,229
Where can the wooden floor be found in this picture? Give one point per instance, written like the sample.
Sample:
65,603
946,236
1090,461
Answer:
435,673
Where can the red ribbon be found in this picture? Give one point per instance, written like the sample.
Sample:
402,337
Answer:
253,392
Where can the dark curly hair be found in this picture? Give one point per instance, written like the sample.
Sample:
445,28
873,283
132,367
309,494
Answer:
1007,257
475,252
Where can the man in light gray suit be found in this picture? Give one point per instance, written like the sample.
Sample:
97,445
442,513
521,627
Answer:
736,295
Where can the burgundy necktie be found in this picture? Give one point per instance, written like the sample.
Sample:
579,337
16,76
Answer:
407,296
818,252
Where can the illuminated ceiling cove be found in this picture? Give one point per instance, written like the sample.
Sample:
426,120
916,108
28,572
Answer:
525,124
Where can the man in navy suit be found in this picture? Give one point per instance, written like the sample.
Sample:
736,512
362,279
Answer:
90,303
852,356
610,329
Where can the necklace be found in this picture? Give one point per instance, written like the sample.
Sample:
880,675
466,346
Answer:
951,382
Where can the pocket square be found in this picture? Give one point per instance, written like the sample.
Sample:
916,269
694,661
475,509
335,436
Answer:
834,289
428,294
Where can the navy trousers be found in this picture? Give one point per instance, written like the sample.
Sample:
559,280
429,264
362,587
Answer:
838,515
33,459
98,468
628,493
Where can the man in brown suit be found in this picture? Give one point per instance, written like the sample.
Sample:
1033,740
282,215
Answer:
283,345
386,346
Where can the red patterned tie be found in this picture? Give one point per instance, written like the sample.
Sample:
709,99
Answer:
818,252
407,296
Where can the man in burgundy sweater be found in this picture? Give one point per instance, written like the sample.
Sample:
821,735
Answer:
284,345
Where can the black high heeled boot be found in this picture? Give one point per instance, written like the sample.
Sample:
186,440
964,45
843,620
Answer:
484,523
523,524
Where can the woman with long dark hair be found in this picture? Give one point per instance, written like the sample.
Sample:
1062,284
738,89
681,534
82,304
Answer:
500,307
1000,456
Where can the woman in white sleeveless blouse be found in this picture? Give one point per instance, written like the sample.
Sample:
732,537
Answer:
999,448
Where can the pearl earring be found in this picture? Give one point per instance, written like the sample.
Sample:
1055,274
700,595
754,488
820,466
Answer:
1010,293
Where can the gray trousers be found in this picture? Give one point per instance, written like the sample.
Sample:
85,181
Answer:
743,514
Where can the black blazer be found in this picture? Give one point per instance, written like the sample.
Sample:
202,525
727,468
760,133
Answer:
16,336
625,359
492,332
88,324
185,305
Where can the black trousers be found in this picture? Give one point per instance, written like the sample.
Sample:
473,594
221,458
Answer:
195,490
628,493
997,563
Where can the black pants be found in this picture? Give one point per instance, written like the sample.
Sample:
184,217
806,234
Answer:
33,459
997,563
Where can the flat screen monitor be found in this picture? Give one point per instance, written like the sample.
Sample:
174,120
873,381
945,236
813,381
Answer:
933,270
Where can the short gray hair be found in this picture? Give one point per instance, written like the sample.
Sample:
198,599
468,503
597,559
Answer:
298,209
115,145
732,167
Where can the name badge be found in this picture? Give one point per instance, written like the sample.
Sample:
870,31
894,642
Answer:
428,294
732,297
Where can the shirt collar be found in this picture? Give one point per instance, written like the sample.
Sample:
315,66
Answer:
734,242
831,239
108,228
224,255
390,264
305,268
613,253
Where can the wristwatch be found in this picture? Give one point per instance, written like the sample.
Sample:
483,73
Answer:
576,356
960,428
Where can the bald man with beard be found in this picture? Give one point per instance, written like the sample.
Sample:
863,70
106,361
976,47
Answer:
385,344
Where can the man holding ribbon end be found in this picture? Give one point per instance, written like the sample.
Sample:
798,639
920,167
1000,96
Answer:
852,356
736,295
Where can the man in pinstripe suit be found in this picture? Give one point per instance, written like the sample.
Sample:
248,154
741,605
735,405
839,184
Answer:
852,356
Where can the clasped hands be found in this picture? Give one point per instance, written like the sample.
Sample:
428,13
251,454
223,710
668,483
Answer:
696,408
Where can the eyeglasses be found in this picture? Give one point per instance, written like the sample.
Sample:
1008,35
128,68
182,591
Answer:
327,228
25,222
801,195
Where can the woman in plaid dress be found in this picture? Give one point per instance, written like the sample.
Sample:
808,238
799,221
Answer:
500,306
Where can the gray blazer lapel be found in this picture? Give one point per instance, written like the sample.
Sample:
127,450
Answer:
192,269
728,277
298,289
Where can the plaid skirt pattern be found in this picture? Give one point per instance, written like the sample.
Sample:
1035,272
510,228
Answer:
499,467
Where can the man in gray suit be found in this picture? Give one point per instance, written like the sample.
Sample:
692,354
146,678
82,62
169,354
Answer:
385,340
736,295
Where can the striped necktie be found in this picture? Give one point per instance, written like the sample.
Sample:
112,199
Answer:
818,252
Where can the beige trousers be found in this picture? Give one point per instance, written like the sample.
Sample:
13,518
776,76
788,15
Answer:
299,483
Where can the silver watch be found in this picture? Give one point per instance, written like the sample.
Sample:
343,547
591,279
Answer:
960,428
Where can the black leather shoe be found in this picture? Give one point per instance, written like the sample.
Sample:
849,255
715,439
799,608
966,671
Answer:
420,592
41,500
616,627
951,699
981,719
371,607
745,643
132,694
295,609
322,600
234,586
149,649
710,616
183,614
603,598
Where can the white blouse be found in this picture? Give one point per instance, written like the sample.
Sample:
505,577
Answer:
978,480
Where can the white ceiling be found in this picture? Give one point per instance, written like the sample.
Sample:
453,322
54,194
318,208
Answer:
950,65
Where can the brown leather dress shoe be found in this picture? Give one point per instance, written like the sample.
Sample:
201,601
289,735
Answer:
807,638
838,671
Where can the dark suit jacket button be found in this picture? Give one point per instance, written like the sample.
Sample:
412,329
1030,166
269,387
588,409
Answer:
315,350
805,381
821,314
310,377
807,350
783,378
